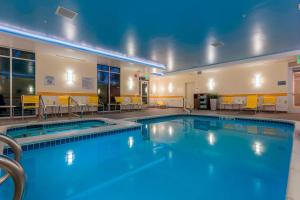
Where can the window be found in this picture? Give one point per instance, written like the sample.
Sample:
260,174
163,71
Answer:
108,84
4,86
103,68
115,70
23,54
4,51
114,86
22,82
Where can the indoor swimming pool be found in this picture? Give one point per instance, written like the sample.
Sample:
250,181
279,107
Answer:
177,157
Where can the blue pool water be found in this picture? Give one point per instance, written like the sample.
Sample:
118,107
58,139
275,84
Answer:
40,129
172,158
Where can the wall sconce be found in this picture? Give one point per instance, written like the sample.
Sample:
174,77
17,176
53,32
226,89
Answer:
257,80
211,84
70,77
130,83
170,88
154,89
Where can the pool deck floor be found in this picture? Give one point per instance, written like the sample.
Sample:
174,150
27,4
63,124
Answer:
158,111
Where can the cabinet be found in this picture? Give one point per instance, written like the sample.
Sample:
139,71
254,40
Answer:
201,101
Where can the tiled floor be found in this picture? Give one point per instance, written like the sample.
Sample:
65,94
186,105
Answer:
157,111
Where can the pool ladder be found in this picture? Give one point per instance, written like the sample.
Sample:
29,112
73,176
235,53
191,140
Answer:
12,167
186,109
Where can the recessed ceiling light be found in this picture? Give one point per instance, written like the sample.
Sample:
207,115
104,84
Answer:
299,6
64,12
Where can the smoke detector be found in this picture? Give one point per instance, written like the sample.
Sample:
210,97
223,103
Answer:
217,44
64,12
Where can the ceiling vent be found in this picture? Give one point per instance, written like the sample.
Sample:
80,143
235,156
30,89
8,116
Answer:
217,44
64,12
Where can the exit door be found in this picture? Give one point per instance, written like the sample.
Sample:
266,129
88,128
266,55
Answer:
144,89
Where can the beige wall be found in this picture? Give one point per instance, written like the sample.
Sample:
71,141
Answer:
241,79
130,79
56,66
227,80
238,80
173,85
51,65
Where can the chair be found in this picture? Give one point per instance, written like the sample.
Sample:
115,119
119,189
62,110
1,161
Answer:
63,102
251,103
269,101
227,101
137,101
120,101
161,104
30,102
93,101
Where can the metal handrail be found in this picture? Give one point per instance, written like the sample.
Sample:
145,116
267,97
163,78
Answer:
15,170
185,108
71,99
16,148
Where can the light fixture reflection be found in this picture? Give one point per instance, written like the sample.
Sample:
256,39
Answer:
130,142
170,131
211,139
30,89
210,51
170,61
258,148
258,40
170,154
69,29
154,129
131,46
70,157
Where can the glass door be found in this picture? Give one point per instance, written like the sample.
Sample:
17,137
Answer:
144,88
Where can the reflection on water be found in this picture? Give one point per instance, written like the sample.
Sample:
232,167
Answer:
211,139
258,148
70,157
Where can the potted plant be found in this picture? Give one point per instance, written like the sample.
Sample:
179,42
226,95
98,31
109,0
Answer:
213,98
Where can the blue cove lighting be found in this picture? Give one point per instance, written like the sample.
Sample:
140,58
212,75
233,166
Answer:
103,52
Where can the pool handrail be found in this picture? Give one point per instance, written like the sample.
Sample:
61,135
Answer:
15,170
16,148
12,167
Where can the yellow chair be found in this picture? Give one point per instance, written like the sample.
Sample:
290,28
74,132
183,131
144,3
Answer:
93,101
227,101
161,104
63,102
269,101
30,102
252,102
120,101
137,101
